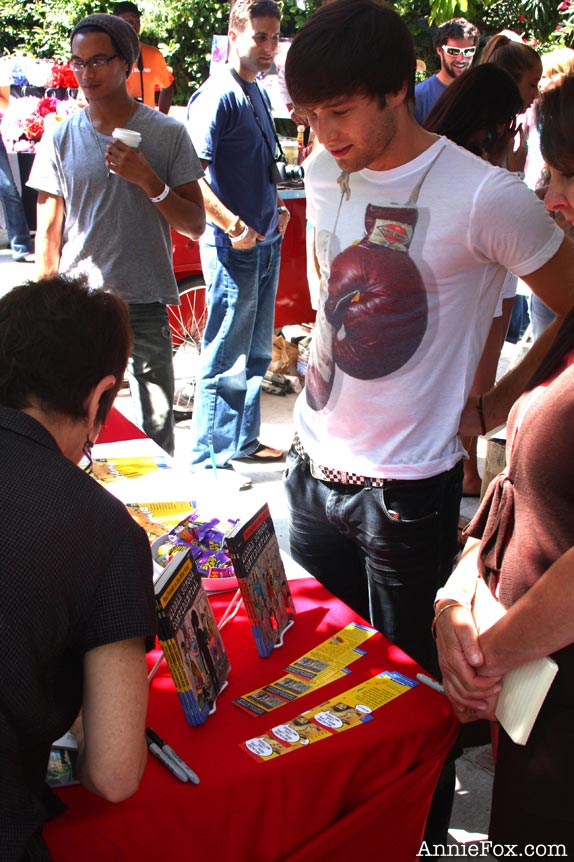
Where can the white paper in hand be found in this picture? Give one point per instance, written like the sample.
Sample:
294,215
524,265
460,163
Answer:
522,695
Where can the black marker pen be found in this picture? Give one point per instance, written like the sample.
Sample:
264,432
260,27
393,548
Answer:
154,738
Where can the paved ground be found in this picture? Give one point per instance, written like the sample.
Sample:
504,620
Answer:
470,816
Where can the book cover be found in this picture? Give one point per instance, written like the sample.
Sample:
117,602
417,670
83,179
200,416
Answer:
61,770
254,551
159,518
189,637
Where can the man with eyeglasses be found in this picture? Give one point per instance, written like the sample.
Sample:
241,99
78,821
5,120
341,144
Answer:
230,123
105,209
455,42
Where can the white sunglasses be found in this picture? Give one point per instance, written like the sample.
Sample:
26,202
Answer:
454,52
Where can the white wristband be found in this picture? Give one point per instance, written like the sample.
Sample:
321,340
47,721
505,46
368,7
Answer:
241,235
162,196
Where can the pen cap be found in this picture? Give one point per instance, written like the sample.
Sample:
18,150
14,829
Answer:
152,736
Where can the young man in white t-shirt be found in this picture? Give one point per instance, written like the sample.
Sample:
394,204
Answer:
413,239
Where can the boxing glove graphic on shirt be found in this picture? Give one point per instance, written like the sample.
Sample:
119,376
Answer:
376,305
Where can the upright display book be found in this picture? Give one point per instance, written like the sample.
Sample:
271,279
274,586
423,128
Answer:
189,637
260,573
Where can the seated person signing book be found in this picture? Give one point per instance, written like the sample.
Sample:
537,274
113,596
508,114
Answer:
76,570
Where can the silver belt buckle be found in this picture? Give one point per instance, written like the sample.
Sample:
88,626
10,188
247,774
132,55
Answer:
317,472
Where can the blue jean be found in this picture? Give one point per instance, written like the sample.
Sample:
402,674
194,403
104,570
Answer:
237,349
519,319
16,223
383,551
540,315
150,372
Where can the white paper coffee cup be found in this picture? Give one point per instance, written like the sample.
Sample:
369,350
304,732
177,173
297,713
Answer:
128,137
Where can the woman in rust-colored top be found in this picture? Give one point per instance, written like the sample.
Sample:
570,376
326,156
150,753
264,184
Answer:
523,547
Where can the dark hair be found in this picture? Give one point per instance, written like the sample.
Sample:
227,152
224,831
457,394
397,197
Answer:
349,47
516,58
58,339
555,119
483,97
242,11
123,7
456,28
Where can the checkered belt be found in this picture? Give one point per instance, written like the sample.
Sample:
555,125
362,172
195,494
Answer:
328,474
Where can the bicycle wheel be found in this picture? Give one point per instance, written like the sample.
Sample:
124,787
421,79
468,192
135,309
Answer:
187,321
187,324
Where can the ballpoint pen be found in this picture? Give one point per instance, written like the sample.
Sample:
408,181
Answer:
432,683
154,738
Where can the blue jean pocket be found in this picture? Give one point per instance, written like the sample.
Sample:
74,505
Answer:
410,502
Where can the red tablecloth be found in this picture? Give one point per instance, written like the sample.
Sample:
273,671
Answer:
363,794
117,427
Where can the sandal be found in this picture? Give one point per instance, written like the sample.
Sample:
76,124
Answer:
263,455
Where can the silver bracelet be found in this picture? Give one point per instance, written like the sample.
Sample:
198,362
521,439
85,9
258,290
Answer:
241,235
162,196
283,210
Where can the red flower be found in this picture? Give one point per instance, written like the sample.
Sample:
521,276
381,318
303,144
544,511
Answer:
34,127
47,106
62,76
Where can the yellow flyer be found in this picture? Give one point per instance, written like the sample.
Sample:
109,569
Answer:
111,469
319,666
334,653
347,710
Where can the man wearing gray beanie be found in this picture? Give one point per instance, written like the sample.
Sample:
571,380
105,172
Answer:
105,209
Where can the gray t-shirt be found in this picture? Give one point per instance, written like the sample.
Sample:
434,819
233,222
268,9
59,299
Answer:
112,231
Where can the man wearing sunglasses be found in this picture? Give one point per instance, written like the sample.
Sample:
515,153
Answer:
455,43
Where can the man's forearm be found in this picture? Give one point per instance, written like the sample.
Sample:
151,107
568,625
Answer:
216,211
50,226
165,99
48,253
4,98
183,213
498,401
